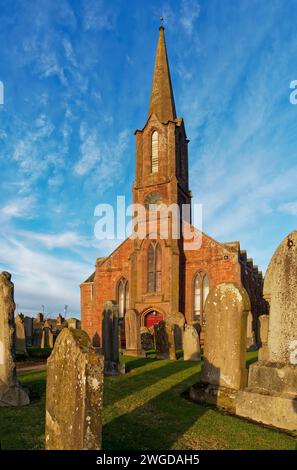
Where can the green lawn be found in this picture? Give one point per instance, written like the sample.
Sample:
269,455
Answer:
145,409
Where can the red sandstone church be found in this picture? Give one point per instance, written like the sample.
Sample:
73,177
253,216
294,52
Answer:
157,277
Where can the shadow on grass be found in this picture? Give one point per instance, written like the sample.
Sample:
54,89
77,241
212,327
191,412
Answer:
158,423
134,363
117,388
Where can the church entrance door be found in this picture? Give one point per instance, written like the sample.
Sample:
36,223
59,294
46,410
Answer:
152,318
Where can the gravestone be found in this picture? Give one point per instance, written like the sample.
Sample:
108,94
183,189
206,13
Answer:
271,395
74,394
73,323
47,338
191,344
147,339
132,334
20,335
264,325
11,393
171,336
250,335
224,369
37,337
197,327
111,338
29,330
178,320
59,320
161,340
39,317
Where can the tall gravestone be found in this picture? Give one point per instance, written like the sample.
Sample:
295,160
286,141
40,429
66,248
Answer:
47,338
271,395
74,394
251,343
161,340
20,335
111,338
11,393
224,370
171,336
264,325
132,334
29,330
191,344
178,320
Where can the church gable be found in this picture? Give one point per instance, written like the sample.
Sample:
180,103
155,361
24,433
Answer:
117,260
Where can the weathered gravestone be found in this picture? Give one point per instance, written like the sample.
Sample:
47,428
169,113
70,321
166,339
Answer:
171,335
251,344
111,338
224,369
161,340
264,325
132,334
191,344
271,396
147,338
47,338
59,320
73,323
178,320
11,393
29,330
20,335
164,335
74,394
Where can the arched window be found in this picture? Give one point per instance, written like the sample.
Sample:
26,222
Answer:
154,280
201,290
155,152
123,296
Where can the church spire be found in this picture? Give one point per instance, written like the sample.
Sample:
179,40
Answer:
162,99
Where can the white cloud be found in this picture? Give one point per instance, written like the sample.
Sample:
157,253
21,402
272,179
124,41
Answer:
97,16
19,208
190,11
288,208
41,278
58,240
100,159
90,152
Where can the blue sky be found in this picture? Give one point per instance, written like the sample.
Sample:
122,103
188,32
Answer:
77,78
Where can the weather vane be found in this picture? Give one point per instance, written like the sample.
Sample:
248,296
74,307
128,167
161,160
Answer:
162,20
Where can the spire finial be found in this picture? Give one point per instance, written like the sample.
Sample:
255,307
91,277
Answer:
162,22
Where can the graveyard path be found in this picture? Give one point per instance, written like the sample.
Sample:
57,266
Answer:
31,368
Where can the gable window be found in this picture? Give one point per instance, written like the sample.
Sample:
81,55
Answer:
201,290
123,296
155,152
154,283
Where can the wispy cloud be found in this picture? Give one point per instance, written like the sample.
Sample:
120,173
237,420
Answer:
99,159
190,10
289,208
98,15
42,279
20,208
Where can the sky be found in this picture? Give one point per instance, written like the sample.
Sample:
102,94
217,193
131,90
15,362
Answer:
77,78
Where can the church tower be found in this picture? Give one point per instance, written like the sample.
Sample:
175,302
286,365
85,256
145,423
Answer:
161,177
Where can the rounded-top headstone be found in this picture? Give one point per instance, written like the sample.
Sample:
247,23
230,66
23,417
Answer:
280,290
226,310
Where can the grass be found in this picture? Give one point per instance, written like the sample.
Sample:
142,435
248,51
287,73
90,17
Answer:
145,409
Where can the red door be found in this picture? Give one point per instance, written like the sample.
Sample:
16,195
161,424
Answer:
152,319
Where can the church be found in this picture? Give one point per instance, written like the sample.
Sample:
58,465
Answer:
155,276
